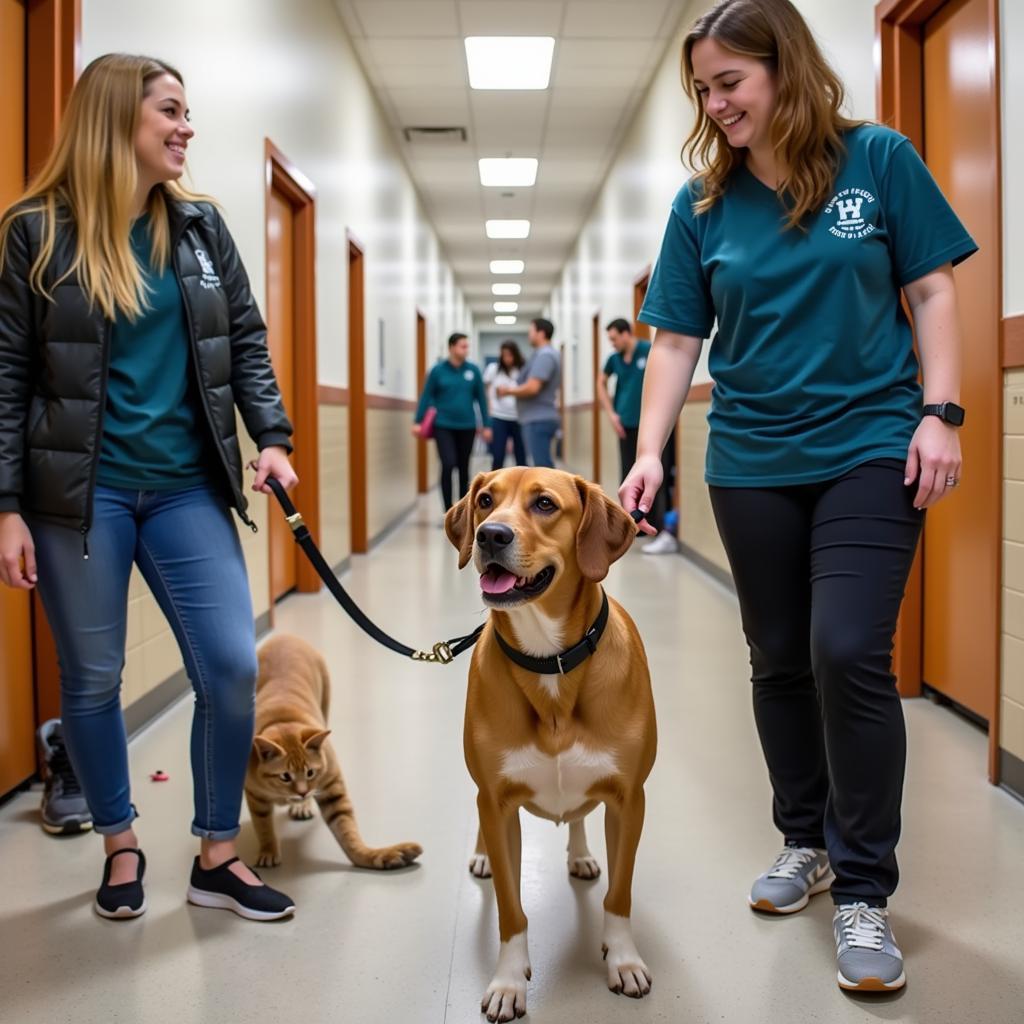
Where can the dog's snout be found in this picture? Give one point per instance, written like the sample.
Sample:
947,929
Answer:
492,537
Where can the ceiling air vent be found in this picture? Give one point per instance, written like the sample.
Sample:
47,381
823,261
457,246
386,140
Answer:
434,136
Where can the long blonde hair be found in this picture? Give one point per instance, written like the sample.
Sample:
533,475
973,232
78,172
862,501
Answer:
807,126
90,178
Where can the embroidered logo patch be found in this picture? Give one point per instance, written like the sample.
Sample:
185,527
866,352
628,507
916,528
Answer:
852,209
209,278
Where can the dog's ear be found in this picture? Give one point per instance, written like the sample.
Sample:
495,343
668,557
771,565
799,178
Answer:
458,522
605,532
313,739
266,750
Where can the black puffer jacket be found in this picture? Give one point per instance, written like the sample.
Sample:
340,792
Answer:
54,358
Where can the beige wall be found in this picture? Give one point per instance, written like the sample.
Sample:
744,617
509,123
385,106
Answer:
697,528
390,467
1012,707
257,69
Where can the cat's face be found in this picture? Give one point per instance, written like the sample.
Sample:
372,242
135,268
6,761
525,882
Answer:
290,761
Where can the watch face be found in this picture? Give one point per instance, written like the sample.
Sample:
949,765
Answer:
954,414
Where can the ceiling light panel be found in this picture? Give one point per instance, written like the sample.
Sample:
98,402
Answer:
506,288
507,228
507,266
509,172
505,307
509,62
505,321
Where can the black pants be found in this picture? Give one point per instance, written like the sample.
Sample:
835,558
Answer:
663,499
820,571
454,447
502,430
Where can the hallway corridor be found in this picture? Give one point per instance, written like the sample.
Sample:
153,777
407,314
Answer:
418,946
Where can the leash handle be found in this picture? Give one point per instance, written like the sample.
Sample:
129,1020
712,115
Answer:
442,652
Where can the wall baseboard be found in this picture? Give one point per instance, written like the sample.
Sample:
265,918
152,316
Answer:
706,565
1011,774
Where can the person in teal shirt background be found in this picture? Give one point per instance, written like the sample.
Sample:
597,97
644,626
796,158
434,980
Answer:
799,236
627,364
453,388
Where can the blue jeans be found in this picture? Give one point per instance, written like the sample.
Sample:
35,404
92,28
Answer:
187,548
501,431
538,437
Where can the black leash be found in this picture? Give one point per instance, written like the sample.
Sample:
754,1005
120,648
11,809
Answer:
442,652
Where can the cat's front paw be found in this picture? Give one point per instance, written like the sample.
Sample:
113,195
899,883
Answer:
398,856
268,858
301,811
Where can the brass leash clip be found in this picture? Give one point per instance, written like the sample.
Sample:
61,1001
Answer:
441,654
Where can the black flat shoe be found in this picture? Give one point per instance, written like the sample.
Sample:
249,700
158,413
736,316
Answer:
221,888
125,900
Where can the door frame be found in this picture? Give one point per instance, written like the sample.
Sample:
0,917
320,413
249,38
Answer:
899,79
357,391
640,284
421,377
596,418
282,174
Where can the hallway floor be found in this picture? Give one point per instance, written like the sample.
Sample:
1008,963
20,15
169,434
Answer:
419,946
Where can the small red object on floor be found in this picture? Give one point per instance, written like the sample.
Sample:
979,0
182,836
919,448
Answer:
160,776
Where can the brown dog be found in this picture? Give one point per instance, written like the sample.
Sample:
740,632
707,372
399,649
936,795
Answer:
555,742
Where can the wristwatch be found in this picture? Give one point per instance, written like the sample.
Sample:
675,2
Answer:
948,412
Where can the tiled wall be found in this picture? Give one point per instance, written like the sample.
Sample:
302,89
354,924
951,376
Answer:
390,467
1011,737
335,506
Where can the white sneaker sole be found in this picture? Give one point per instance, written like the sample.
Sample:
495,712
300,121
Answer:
767,907
218,901
871,984
121,912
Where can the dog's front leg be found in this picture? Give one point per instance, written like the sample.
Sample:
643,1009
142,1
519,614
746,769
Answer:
505,997
627,973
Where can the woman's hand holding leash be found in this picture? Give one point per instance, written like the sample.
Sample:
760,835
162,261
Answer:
640,487
273,461
933,461
17,552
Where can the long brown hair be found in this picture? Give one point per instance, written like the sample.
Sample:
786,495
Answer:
90,178
807,126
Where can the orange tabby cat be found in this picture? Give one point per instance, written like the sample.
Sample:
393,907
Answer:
292,762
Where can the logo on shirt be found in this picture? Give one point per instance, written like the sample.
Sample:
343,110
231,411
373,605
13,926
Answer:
209,278
641,362
851,207
468,375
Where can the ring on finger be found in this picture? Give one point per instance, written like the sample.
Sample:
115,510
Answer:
952,481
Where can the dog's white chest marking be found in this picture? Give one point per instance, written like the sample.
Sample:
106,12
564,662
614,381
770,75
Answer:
560,782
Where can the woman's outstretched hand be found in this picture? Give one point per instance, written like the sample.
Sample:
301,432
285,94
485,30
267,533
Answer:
640,487
273,461
17,552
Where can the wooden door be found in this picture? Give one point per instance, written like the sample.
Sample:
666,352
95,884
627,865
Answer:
281,340
639,294
962,534
421,377
595,335
17,699
357,398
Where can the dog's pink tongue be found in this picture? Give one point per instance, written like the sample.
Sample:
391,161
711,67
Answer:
496,581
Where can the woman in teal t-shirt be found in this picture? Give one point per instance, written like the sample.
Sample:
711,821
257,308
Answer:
797,238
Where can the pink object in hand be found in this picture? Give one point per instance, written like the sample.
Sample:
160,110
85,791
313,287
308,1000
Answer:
427,424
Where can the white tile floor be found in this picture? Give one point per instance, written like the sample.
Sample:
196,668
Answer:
419,946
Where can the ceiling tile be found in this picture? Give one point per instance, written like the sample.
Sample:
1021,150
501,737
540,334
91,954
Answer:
614,19
388,18
516,18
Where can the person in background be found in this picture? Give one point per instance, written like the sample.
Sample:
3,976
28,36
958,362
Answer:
504,372
128,338
627,364
454,387
536,394
801,234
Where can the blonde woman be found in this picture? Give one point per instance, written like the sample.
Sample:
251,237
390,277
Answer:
799,234
128,335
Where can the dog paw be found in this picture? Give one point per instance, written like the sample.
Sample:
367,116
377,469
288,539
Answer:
628,975
584,867
268,859
302,811
401,855
505,998
480,865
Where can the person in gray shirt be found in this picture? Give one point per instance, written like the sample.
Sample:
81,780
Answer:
537,393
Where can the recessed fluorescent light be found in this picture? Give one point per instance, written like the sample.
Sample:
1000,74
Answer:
508,171
505,307
509,288
505,320
509,62
507,266
507,228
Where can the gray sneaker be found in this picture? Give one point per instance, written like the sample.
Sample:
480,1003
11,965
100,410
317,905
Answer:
799,872
868,957
63,809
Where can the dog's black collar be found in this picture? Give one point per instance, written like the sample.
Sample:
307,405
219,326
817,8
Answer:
561,664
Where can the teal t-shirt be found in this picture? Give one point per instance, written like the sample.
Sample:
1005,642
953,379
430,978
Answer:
629,382
453,391
152,440
813,361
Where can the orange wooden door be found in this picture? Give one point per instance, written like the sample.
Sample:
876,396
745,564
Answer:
281,340
357,400
17,699
962,534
